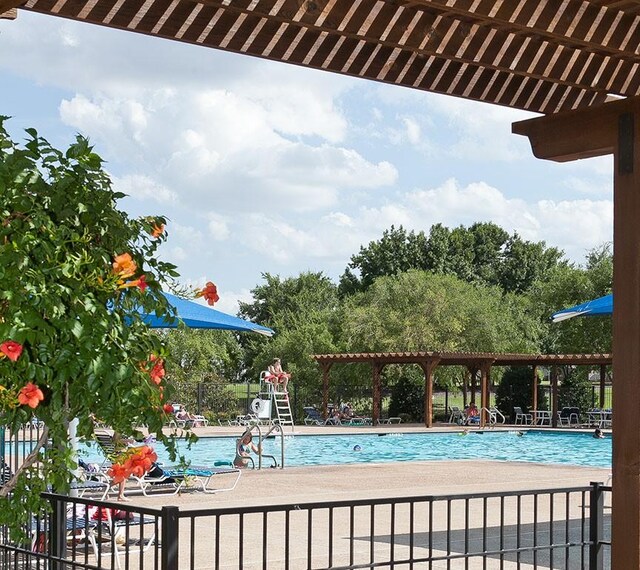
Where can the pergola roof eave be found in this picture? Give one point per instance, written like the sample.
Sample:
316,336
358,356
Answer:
469,359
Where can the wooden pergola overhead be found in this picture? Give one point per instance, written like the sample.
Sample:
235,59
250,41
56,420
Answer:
544,56
563,58
468,359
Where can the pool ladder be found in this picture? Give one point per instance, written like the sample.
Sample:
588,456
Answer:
494,416
275,429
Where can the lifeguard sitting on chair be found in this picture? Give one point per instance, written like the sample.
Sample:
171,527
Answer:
277,376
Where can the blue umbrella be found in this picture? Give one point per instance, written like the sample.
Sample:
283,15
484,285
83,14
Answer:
198,316
600,306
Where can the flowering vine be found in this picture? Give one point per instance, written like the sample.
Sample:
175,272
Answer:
132,461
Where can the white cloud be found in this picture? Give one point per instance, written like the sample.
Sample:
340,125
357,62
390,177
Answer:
413,130
218,227
141,187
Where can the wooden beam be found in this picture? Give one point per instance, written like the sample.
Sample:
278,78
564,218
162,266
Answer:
428,366
626,339
11,14
577,134
613,127
575,26
485,395
377,394
7,5
424,37
326,367
535,391
554,396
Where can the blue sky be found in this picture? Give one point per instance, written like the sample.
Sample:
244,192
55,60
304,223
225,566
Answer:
267,167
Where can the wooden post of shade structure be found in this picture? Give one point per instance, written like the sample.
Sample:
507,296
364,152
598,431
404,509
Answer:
375,413
613,128
535,391
603,375
428,366
554,396
485,396
326,366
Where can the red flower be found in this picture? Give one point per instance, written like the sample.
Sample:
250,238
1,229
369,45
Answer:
30,395
12,350
140,282
167,409
210,293
157,372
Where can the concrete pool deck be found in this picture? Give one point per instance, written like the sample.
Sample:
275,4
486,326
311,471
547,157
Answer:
300,485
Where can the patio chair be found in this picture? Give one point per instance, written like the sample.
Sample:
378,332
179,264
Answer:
521,417
456,416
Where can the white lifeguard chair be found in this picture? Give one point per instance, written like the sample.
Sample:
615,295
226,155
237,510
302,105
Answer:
274,403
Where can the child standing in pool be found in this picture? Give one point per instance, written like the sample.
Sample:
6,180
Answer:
244,447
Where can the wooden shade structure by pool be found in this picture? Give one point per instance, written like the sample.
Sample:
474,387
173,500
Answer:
566,59
475,362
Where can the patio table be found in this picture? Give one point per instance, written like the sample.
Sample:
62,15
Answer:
542,417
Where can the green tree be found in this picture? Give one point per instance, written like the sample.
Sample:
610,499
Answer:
574,390
205,360
569,285
396,252
516,389
72,273
417,310
483,254
303,311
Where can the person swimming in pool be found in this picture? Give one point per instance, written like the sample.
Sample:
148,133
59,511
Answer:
357,448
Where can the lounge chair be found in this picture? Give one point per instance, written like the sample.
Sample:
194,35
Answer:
174,479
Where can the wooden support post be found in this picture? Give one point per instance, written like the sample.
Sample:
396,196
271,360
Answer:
613,128
375,413
465,383
603,375
554,396
326,366
485,396
535,390
428,366
626,340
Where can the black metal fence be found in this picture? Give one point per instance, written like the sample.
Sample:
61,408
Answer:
565,529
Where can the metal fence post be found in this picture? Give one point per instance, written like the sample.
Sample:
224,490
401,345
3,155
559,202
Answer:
57,534
170,544
596,521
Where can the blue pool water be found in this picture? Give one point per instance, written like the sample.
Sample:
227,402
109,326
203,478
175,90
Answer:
536,447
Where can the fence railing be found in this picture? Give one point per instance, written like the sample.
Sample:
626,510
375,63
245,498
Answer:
566,528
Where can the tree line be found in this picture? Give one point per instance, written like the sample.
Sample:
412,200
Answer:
475,288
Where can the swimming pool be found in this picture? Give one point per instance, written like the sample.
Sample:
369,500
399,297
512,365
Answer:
534,446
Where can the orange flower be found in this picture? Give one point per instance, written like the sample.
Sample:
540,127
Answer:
118,473
140,462
12,350
157,230
124,266
210,293
157,372
30,395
